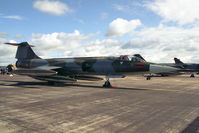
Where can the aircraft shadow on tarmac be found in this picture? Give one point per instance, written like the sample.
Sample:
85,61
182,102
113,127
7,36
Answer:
122,88
193,127
37,84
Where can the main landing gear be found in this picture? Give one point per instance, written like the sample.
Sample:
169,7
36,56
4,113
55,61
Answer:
148,78
192,76
107,84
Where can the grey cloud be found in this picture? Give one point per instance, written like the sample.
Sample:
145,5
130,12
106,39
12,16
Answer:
167,49
140,44
7,53
19,36
191,49
3,35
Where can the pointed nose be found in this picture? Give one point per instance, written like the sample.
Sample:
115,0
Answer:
161,68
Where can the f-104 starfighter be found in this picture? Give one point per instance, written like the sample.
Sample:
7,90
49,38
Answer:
80,68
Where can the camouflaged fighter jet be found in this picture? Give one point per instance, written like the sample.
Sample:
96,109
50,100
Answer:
187,67
81,68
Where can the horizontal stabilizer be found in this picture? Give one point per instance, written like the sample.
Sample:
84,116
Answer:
19,44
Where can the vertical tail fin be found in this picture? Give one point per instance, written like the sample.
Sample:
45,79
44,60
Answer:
24,51
178,61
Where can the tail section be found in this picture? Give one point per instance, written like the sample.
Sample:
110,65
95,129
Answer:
24,51
178,61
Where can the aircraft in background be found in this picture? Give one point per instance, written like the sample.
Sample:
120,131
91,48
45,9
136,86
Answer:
64,70
182,68
192,68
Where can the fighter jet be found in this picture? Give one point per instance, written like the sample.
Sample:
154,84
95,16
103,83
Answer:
64,70
187,67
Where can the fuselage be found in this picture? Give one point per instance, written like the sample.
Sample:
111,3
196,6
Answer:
88,65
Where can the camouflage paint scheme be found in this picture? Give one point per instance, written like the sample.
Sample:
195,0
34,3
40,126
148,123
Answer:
88,65
72,69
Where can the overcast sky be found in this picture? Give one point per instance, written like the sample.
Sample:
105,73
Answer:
158,29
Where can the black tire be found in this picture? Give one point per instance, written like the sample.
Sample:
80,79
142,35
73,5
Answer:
107,84
192,76
148,78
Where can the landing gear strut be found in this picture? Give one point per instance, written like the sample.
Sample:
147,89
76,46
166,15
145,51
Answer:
107,84
192,76
148,78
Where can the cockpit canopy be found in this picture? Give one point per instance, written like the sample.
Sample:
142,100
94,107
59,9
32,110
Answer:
130,58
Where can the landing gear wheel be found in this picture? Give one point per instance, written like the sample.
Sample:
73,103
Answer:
192,76
107,84
148,78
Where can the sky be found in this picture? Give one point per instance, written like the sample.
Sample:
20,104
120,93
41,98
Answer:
159,30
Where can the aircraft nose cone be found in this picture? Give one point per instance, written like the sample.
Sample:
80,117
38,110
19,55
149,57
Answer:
161,68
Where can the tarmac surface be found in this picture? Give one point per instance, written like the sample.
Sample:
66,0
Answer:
135,105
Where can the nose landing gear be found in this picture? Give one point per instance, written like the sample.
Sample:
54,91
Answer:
107,84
